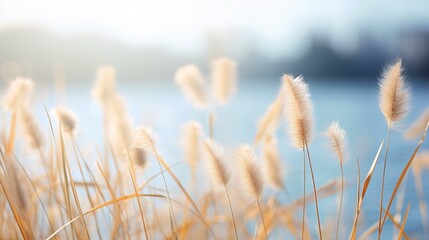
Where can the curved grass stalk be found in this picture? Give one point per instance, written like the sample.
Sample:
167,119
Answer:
120,199
314,190
262,218
232,213
403,173
304,198
341,201
382,181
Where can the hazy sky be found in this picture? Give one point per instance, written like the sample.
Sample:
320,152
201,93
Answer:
182,24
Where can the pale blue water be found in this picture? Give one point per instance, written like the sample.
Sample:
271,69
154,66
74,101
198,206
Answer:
355,106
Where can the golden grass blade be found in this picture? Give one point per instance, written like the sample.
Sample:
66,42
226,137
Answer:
11,139
401,231
121,199
69,174
324,191
401,177
366,235
358,185
366,183
18,220
140,206
118,216
33,186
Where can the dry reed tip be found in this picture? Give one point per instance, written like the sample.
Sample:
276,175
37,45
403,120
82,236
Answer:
272,165
67,119
393,94
191,139
224,77
251,176
418,127
337,139
30,129
421,162
215,164
192,83
144,138
269,122
104,86
298,110
18,94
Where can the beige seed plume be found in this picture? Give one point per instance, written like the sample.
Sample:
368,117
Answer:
251,175
421,162
192,83
418,127
17,94
224,77
119,125
337,139
272,166
298,110
30,129
67,119
104,86
216,167
191,139
269,122
144,138
393,94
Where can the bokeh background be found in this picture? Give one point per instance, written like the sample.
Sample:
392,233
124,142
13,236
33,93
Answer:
340,47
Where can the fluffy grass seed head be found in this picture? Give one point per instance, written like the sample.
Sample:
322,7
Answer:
104,86
393,94
192,83
30,129
269,122
338,141
191,142
418,127
224,77
421,162
272,165
251,175
298,110
215,164
119,125
67,119
17,94
144,138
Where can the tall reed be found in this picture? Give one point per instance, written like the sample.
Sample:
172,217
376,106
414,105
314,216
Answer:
337,138
393,102
299,116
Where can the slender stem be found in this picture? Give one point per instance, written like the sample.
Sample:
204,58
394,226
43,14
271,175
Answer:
262,218
172,216
314,190
133,178
341,201
382,182
211,125
303,206
232,213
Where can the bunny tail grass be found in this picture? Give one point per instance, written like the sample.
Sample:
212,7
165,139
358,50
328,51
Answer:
298,110
337,138
393,102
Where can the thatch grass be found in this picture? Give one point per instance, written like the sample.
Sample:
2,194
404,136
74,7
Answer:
74,197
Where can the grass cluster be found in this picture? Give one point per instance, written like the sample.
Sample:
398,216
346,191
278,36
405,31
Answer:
64,194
